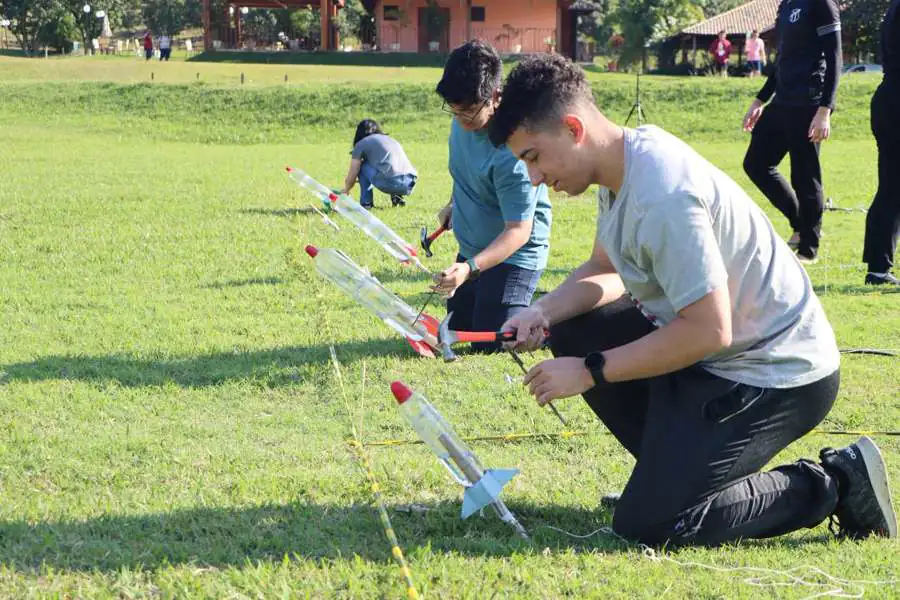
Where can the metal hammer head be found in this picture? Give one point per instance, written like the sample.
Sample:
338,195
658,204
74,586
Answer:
446,338
425,242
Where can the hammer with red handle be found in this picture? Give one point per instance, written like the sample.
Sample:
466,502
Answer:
426,240
447,337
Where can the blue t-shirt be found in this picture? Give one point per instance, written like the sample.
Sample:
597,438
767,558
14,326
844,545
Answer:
491,186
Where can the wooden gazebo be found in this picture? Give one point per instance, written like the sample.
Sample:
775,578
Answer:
737,24
330,39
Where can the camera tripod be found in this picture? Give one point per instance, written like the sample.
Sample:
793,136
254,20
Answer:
636,108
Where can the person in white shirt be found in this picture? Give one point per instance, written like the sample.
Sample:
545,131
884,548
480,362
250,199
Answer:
692,331
165,47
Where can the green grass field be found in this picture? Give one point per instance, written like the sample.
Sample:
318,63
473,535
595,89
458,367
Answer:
171,423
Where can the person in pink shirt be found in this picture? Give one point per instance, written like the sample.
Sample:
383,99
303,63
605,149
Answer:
756,53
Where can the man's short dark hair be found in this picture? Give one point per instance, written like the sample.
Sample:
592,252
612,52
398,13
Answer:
537,92
472,73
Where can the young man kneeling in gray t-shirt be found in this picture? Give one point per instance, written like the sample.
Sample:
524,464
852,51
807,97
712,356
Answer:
692,331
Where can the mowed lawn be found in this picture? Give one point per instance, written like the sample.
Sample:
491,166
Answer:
170,421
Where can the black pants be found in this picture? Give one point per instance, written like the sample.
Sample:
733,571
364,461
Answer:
883,220
700,442
486,303
779,131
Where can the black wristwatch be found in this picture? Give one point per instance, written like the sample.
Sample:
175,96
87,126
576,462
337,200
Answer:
595,361
474,271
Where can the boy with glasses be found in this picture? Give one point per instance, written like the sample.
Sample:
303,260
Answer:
501,222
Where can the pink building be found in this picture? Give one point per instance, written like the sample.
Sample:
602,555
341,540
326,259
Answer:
512,26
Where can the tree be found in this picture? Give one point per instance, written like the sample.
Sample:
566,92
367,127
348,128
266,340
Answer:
596,24
303,24
646,22
353,21
166,16
59,32
117,11
861,23
29,18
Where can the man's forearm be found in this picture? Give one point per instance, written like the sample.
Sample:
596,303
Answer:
768,88
503,246
583,290
679,344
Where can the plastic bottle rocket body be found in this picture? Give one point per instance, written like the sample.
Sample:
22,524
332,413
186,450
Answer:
371,225
435,431
369,292
483,487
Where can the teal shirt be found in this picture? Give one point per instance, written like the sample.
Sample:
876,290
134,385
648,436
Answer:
491,186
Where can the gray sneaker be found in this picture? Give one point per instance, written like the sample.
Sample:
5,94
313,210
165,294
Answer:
864,499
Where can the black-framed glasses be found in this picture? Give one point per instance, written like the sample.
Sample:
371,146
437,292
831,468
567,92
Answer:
468,116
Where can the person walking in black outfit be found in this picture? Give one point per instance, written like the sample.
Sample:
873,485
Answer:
804,83
883,220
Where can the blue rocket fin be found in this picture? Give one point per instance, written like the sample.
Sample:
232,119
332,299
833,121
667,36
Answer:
486,490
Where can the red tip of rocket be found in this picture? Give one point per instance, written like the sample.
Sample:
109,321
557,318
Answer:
289,169
400,391
312,251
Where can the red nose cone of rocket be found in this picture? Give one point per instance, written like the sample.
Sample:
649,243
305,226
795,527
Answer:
400,391
312,250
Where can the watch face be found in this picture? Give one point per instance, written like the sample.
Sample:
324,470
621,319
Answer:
594,360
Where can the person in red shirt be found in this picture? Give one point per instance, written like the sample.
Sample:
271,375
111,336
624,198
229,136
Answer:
148,44
720,49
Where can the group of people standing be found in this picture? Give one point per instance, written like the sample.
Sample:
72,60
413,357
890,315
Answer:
720,51
692,331
164,44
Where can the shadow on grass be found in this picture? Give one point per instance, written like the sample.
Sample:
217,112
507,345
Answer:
272,368
278,212
222,537
846,289
219,285
409,274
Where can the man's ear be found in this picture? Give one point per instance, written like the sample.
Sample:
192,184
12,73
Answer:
575,126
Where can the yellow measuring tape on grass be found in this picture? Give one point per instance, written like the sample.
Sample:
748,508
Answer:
396,552
360,452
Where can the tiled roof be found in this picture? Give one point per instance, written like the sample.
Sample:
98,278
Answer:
759,14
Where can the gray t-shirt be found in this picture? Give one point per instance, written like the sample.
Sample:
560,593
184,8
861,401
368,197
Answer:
385,154
680,228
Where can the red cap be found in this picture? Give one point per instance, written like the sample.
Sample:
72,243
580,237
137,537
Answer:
312,250
400,391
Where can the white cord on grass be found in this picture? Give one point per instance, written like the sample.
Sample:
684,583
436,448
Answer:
757,576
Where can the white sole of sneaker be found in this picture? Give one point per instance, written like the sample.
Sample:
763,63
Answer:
878,476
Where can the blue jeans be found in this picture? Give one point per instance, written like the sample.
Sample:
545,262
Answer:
486,303
369,177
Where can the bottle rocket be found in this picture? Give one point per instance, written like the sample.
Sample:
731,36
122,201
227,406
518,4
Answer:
370,293
482,486
368,223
